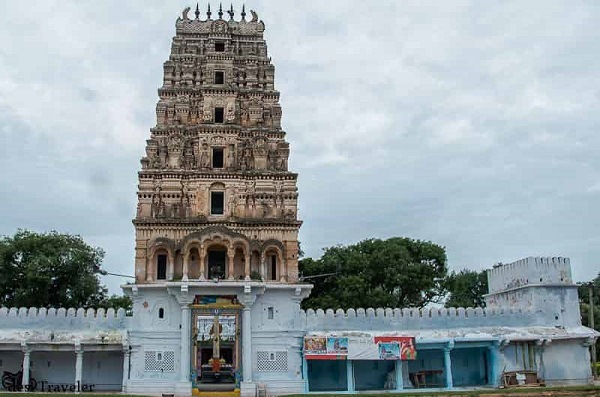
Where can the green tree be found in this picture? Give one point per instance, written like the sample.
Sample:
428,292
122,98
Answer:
466,288
397,272
584,291
118,301
584,305
49,270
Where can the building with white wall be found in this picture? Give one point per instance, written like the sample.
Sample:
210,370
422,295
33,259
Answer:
216,301
531,327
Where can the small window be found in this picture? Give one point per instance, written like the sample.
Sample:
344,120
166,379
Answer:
159,356
270,313
219,115
219,46
217,158
273,267
161,313
219,77
216,203
161,267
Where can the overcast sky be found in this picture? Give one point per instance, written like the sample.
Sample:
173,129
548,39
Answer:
470,124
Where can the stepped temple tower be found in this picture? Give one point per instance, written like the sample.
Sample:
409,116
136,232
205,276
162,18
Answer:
216,224
216,199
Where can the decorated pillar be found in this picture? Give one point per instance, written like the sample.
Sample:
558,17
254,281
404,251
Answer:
247,344
126,357
247,387
282,268
448,365
171,267
26,362
399,379
149,268
185,343
78,363
202,256
247,265
183,387
494,357
263,266
186,265
305,373
350,375
230,256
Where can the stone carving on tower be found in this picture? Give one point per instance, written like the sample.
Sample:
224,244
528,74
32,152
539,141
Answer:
216,199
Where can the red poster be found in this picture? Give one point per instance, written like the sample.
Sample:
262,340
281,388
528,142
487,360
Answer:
408,350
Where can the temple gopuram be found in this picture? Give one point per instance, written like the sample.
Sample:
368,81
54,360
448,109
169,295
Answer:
216,298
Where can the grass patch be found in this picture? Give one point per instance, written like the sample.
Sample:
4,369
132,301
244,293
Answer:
589,390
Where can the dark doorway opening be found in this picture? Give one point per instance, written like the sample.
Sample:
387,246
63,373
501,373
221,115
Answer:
161,267
217,158
216,203
216,264
219,115
273,267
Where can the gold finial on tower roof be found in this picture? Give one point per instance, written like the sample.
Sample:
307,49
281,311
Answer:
208,13
197,11
243,12
220,10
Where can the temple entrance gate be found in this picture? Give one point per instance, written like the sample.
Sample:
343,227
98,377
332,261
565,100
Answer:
216,344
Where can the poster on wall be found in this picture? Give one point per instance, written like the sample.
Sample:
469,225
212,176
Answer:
340,347
406,345
315,345
325,348
389,351
337,345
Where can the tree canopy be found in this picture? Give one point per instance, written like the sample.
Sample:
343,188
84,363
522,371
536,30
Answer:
397,272
466,288
584,291
50,270
584,305
117,301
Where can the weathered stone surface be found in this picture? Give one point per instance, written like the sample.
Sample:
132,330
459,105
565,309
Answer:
218,137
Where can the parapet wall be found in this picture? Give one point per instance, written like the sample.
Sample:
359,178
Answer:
67,319
532,270
416,319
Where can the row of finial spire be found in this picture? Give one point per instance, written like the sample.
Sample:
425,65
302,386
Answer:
220,13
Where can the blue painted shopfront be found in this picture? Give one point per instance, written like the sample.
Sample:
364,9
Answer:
438,365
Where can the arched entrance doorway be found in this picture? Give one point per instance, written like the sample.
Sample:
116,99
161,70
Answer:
216,348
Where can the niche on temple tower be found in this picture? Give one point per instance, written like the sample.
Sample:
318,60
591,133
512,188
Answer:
216,200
